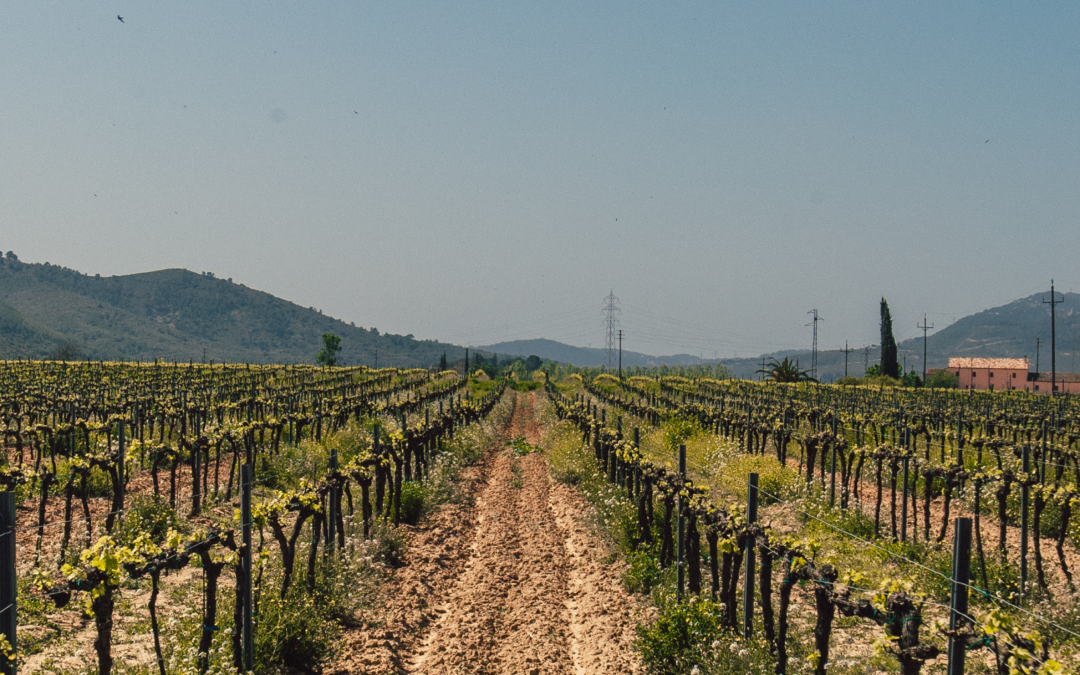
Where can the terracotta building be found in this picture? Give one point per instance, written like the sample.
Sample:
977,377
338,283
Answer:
1068,383
990,373
1007,374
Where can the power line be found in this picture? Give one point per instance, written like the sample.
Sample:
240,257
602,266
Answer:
813,354
1053,302
925,327
846,351
611,308
620,353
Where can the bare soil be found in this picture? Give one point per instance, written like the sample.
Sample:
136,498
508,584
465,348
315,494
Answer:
511,581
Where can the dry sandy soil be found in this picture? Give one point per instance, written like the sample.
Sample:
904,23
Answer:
509,581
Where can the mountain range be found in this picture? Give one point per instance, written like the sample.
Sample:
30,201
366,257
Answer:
178,315
586,356
1007,331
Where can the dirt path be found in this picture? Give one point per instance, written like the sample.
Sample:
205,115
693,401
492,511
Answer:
525,590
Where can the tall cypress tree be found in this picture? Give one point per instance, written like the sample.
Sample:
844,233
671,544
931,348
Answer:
889,364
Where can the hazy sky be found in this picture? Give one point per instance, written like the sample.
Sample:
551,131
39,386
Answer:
477,172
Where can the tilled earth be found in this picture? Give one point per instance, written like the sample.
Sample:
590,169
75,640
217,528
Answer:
513,582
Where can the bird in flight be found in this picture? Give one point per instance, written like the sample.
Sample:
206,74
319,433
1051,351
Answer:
120,18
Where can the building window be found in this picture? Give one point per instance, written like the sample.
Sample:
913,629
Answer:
991,373
958,373
1036,387
1014,376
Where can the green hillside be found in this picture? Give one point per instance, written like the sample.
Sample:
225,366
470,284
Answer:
1007,331
179,315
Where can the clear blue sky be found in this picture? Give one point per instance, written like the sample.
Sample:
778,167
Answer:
476,172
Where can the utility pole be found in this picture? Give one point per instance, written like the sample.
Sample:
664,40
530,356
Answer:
611,308
1053,302
866,359
1037,342
620,353
813,353
762,371
846,352
925,327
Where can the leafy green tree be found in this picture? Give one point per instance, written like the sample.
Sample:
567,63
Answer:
327,356
533,363
911,379
442,362
68,350
943,379
889,365
786,371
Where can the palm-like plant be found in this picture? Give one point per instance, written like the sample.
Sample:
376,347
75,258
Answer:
786,371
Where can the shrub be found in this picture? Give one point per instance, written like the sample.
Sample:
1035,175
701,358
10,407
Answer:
98,484
643,572
852,520
687,637
522,447
526,385
349,441
1003,578
568,460
292,463
677,431
293,632
480,388
605,380
412,502
149,514
943,379
773,478
390,544
680,636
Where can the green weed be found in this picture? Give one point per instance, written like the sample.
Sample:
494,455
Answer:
688,637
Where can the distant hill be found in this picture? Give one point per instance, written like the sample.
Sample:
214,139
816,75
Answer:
1008,331
586,356
180,315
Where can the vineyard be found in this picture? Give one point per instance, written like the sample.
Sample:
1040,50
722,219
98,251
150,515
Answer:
164,518
857,489
119,476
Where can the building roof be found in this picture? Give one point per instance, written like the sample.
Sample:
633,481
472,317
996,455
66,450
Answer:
1061,377
1003,364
